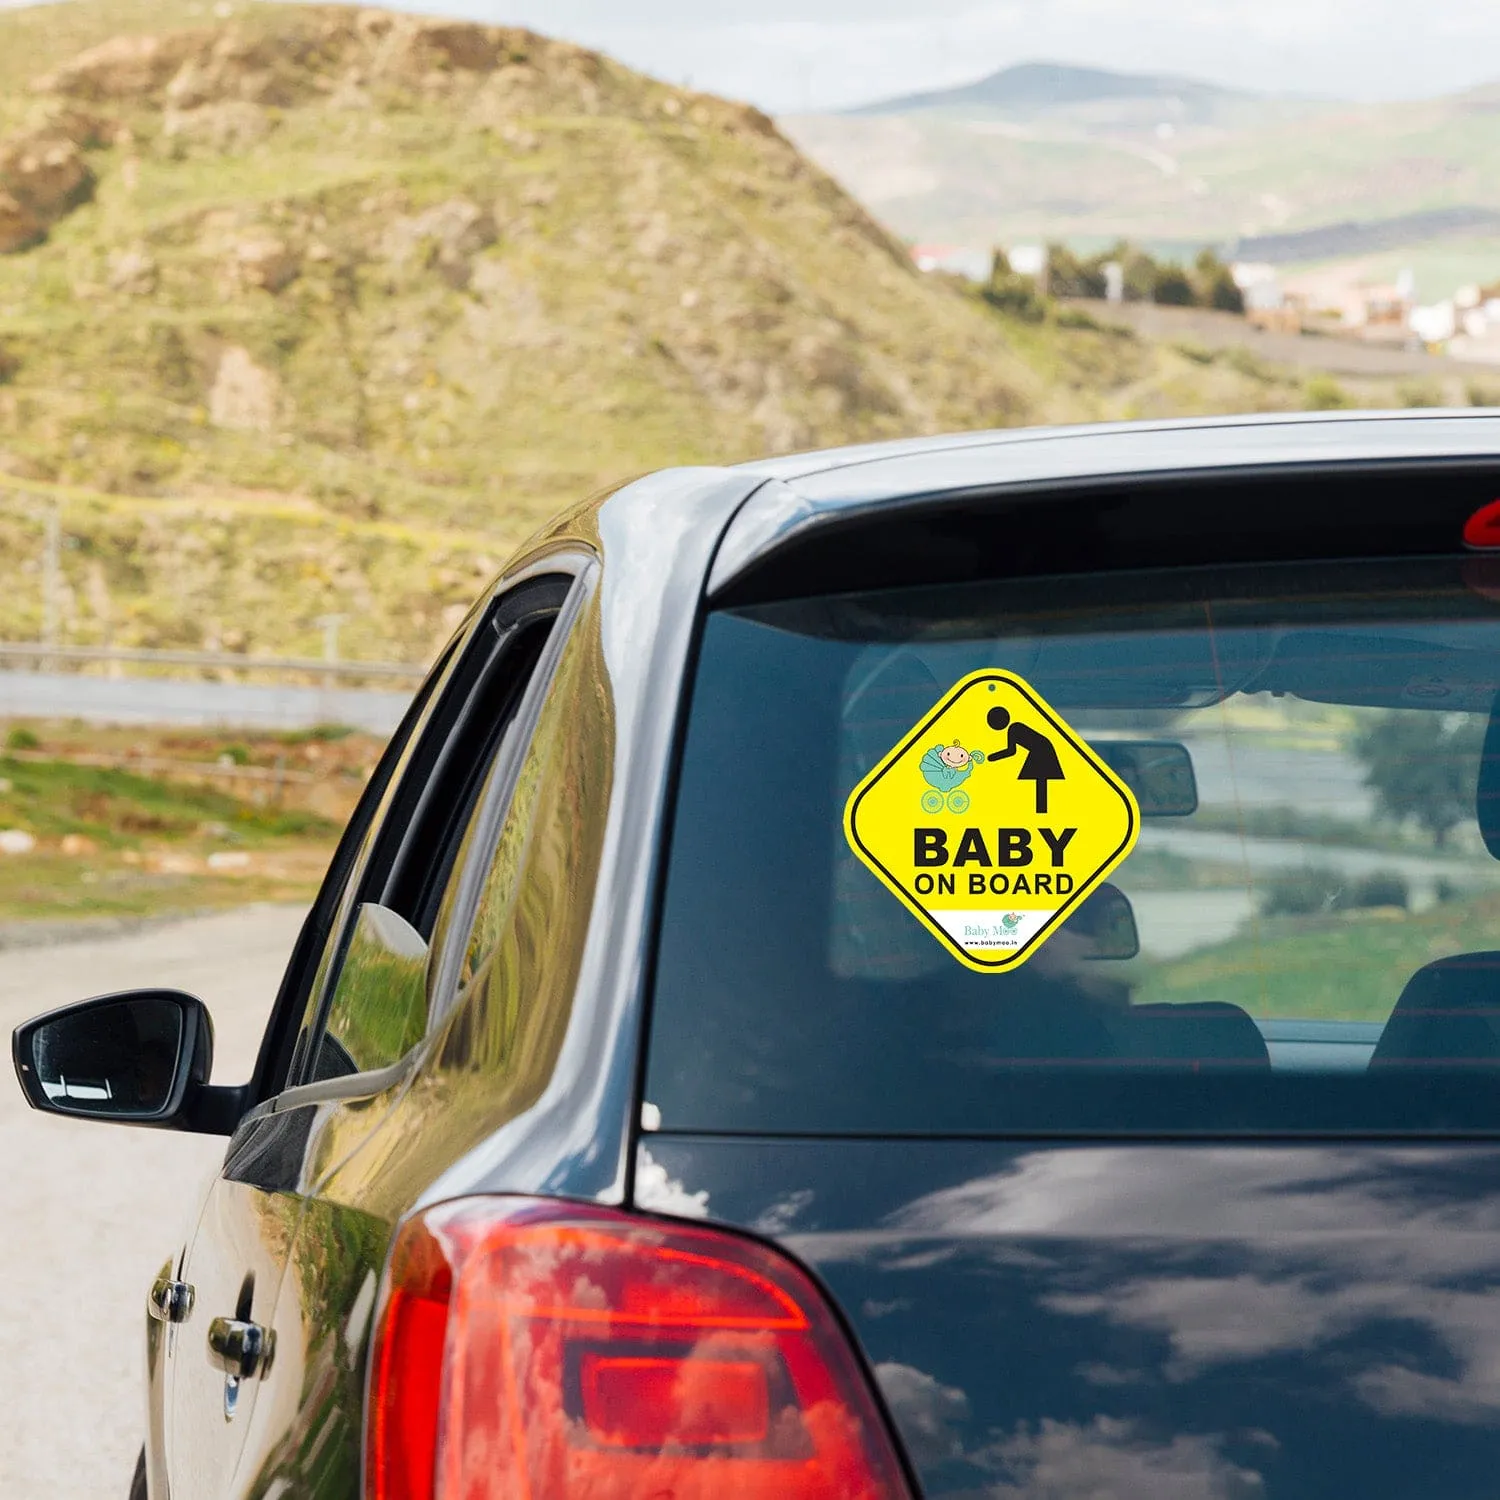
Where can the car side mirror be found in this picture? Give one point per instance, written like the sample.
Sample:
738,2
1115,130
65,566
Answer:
1158,772
141,1057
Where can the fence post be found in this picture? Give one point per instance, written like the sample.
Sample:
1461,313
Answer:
330,624
51,582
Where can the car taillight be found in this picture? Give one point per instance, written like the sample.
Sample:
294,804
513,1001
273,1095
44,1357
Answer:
528,1350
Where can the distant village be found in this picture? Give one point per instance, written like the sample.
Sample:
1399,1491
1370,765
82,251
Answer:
1330,300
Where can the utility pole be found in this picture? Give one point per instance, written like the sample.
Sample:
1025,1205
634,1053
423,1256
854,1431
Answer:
330,624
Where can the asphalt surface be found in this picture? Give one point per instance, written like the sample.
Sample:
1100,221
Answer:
1337,356
92,1211
152,700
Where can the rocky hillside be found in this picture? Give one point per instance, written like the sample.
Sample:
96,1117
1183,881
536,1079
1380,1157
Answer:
321,309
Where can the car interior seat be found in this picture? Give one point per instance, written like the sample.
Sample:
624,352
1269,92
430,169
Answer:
1211,1032
1449,1012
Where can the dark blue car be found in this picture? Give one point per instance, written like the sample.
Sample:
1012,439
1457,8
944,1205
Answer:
621,1132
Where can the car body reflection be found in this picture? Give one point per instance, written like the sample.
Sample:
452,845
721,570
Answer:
1195,1322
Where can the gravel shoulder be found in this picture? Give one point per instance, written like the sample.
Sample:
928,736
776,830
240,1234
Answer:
92,1210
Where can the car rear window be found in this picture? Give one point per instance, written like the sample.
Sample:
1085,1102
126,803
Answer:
1317,918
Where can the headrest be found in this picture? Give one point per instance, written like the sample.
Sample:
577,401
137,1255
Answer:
1449,1011
1205,1031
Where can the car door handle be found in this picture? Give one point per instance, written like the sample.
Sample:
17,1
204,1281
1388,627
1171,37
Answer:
170,1301
241,1350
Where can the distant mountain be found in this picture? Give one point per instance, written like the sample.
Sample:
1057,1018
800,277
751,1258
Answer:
1046,151
1036,88
1367,236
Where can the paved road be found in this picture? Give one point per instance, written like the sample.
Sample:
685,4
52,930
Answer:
92,1210
154,700
1340,356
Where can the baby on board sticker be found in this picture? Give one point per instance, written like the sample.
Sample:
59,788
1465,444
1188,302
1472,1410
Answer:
945,768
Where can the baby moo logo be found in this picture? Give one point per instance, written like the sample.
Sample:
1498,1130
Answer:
992,820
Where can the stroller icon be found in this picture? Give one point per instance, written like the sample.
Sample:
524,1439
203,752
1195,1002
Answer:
945,768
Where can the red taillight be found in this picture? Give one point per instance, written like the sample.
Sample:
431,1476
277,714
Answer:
546,1351
1482,529
649,1401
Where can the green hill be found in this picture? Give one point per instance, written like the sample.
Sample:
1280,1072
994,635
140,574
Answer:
307,310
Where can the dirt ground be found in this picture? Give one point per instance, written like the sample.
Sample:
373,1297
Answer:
91,1211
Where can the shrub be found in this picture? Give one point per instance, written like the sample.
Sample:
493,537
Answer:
1214,284
1379,888
1068,276
1195,352
1013,294
1324,393
1310,890
1419,393
21,738
1170,286
1075,317
1301,893
324,733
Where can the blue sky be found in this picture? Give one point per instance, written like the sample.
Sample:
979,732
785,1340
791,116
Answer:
795,54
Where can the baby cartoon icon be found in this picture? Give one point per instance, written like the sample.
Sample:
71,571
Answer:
945,768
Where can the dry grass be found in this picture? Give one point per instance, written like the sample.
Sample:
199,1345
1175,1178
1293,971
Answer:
345,319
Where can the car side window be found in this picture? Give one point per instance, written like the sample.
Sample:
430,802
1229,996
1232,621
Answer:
277,1061
369,1006
512,930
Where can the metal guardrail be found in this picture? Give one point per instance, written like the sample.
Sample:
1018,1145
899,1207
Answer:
34,651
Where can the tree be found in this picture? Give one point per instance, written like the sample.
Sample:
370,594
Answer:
1068,276
1013,293
1171,287
1215,284
1423,766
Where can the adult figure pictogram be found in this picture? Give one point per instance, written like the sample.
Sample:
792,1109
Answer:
1041,765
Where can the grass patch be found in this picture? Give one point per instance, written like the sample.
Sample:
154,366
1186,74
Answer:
1345,967
219,827
53,887
118,809
1296,825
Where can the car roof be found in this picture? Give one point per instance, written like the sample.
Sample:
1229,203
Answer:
806,490
1100,447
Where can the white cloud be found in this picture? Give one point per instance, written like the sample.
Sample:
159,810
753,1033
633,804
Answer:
1318,1261
1068,1460
792,54
929,1413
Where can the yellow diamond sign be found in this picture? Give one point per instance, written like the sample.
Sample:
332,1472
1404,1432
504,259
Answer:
992,820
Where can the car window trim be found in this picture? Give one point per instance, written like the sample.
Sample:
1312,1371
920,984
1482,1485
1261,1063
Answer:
495,800
509,620
582,568
318,990
277,1051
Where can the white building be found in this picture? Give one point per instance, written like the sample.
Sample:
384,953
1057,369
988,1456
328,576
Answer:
1027,260
975,265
